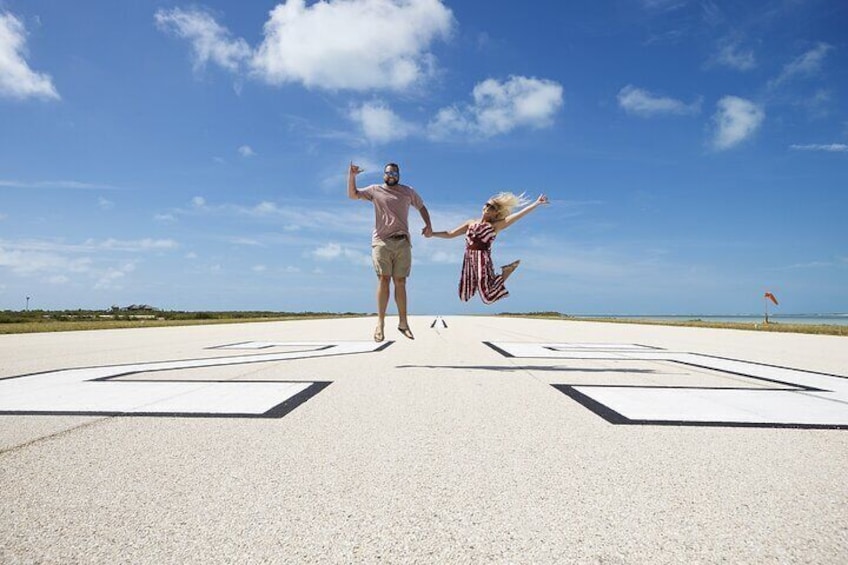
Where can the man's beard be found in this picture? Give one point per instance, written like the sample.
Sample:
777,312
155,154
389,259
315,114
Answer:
391,181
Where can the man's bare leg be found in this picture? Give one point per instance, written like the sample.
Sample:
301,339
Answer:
400,300
382,305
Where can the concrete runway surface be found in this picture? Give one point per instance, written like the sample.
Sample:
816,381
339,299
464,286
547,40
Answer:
483,440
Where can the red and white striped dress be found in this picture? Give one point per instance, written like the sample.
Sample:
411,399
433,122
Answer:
477,271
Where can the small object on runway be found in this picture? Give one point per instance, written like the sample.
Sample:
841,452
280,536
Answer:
437,320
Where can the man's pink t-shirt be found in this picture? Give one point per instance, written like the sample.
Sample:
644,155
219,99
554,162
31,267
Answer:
391,208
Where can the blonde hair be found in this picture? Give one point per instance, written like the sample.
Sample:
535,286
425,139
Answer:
506,202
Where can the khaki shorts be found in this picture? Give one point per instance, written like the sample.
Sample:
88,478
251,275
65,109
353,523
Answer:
392,257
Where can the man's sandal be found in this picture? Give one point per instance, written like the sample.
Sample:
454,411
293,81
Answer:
406,332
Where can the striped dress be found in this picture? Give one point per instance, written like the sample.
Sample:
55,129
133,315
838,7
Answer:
477,270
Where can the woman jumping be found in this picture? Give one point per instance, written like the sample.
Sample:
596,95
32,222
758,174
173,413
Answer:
477,271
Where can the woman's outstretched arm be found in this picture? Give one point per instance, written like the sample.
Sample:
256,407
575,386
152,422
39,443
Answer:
512,218
459,230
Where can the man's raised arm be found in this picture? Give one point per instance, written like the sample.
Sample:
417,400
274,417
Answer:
352,193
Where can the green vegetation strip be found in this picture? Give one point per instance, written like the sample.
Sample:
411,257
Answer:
816,329
78,320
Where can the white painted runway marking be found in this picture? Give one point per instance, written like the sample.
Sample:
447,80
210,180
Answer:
91,391
816,400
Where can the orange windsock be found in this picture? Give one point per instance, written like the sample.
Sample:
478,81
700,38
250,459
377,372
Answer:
771,297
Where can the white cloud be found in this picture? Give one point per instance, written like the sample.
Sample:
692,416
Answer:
289,217
736,119
24,261
330,44
246,241
808,64
51,184
645,104
328,251
104,204
113,276
446,257
732,55
379,123
817,104
198,202
246,151
146,244
17,79
259,268
499,108
102,262
664,5
265,207
90,245
830,147
345,218
333,251
210,41
352,44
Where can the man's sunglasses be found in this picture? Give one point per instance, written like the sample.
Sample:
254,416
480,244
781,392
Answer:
392,174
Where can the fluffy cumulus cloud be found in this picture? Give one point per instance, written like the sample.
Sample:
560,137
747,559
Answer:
735,120
379,123
210,42
17,79
336,44
330,44
645,104
500,107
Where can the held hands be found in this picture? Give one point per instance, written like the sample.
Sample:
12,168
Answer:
542,200
355,169
427,231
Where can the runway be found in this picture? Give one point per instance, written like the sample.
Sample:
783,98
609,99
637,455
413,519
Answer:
483,440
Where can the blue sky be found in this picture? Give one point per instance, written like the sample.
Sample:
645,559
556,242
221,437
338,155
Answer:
192,156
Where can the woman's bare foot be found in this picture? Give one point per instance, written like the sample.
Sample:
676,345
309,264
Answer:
507,270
